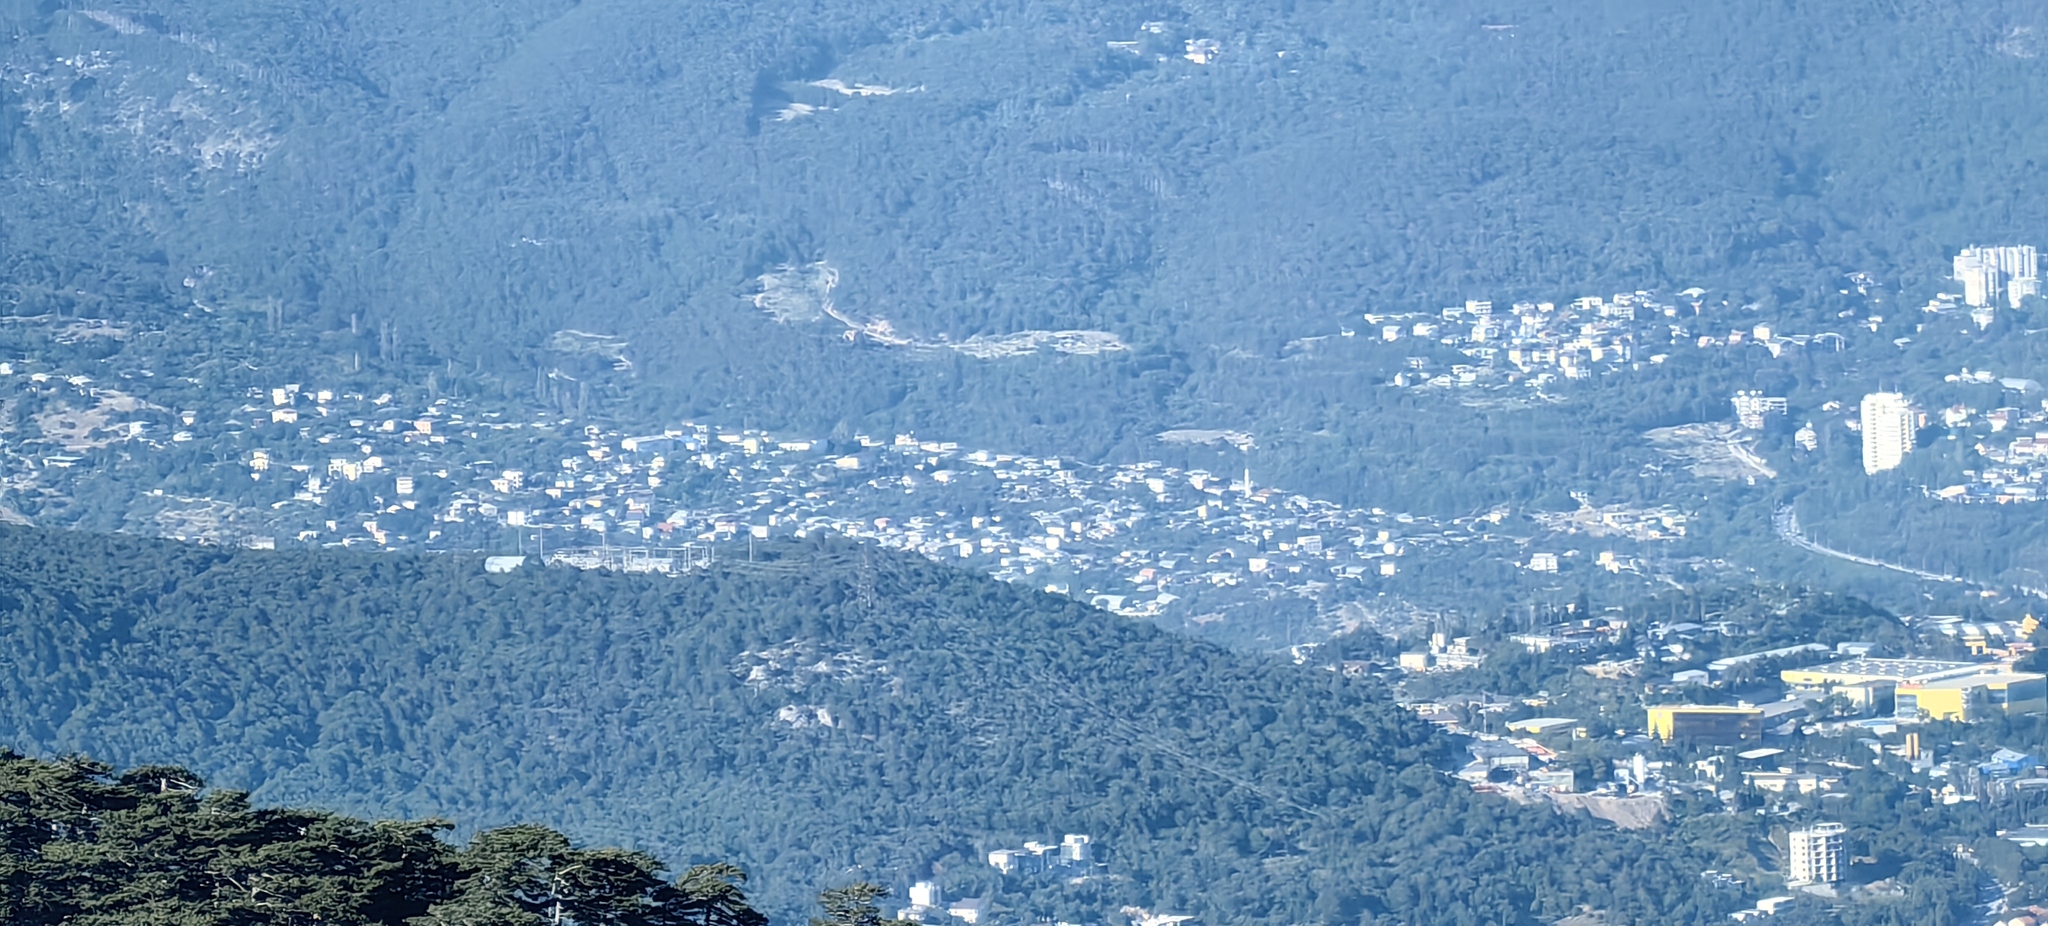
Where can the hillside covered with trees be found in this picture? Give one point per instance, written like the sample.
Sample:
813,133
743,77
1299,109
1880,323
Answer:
1208,184
829,713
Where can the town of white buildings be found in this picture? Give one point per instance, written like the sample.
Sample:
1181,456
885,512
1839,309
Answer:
1534,344
322,466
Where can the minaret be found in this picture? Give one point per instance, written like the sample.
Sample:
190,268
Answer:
1247,482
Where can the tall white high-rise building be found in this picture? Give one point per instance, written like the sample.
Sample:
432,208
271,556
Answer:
1978,276
1888,431
1814,855
1985,273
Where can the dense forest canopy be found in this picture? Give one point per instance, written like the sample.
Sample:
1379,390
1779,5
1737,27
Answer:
826,711
85,843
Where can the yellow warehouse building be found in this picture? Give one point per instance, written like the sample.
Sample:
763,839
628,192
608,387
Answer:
1870,683
1974,697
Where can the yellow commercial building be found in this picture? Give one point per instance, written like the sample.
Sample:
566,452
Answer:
1706,724
1870,683
1973,697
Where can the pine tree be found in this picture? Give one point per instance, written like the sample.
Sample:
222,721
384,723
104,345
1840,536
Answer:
854,905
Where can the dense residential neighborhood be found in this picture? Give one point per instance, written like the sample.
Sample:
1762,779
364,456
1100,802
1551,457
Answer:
319,466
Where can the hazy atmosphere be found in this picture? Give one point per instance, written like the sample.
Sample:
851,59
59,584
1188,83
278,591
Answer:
1018,463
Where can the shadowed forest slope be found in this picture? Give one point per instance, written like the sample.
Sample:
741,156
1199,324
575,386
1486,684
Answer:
830,710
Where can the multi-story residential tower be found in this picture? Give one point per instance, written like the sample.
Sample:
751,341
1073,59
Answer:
1888,431
1814,855
1988,272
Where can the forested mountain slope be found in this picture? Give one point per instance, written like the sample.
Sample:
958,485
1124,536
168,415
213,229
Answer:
465,184
828,713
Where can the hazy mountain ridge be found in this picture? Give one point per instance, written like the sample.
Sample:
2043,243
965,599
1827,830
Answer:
467,185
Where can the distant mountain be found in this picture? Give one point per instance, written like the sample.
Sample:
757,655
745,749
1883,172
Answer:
1156,202
825,714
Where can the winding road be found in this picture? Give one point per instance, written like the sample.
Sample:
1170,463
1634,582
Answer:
1785,521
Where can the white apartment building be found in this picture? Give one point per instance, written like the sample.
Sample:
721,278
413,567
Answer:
1753,409
1988,272
1815,855
1888,431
